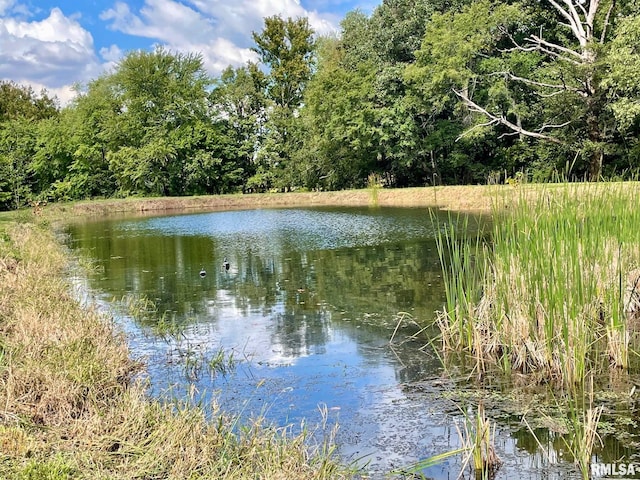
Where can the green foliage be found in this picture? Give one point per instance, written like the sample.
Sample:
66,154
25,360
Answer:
287,47
239,102
517,72
17,101
20,112
17,145
55,468
456,44
623,74
162,96
419,93
357,115
340,142
398,27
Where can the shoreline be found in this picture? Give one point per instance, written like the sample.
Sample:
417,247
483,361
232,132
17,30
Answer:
70,405
73,407
476,198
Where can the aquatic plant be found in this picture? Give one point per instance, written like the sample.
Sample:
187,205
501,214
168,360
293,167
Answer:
583,417
549,295
478,440
374,184
579,425
221,362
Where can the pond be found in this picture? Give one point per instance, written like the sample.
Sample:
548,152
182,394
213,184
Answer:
324,316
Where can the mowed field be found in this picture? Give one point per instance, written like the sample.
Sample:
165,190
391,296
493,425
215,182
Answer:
471,198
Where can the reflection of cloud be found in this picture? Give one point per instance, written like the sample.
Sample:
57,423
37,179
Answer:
244,331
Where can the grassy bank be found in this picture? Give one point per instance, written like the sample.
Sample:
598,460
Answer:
71,409
468,198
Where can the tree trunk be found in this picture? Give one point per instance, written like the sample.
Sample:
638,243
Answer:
594,130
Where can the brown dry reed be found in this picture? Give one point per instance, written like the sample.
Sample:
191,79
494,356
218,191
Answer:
553,292
550,294
70,409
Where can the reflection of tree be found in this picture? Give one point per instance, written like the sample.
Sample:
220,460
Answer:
302,291
301,336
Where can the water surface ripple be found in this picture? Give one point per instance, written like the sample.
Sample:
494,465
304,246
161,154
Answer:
307,308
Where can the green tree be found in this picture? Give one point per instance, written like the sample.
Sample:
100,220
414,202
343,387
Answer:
622,84
359,100
17,145
70,161
19,101
520,79
341,140
162,95
240,108
287,48
21,111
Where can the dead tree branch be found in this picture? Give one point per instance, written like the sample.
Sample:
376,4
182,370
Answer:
501,119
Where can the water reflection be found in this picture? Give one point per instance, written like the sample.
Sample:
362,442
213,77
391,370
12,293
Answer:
308,306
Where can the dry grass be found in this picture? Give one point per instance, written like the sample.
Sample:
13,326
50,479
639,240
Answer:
469,198
69,407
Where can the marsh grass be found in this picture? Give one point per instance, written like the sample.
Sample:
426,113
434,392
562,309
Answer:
549,296
374,184
478,440
578,426
221,362
583,418
69,407
477,447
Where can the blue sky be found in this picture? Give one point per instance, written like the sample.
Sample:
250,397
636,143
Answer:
55,44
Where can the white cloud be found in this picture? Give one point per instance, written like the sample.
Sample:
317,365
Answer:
5,5
218,29
57,51
245,16
164,20
54,52
221,53
111,56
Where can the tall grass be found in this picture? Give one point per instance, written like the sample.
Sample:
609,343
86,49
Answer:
583,418
374,184
550,295
70,409
477,446
553,294
579,425
478,439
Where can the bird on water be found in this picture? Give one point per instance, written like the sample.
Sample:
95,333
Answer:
203,272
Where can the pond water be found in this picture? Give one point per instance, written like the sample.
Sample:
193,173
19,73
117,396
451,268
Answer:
322,311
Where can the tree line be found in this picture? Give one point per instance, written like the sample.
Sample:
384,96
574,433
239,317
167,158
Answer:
419,92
